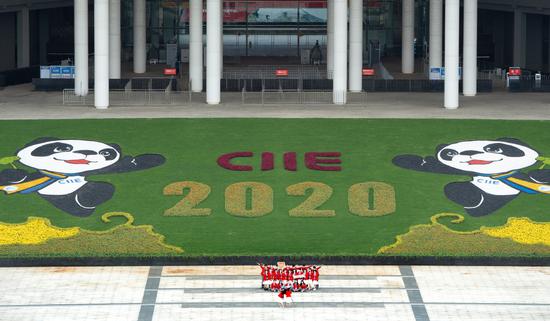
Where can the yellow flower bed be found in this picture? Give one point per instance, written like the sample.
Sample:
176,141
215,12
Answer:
521,230
35,231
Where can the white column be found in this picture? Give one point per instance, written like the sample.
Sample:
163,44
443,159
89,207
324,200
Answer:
469,70
221,37
519,38
355,45
23,38
452,26
436,33
195,45
81,47
340,77
140,37
213,51
407,47
330,38
114,39
101,55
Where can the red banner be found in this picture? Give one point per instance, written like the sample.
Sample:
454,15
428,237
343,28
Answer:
170,71
368,72
281,72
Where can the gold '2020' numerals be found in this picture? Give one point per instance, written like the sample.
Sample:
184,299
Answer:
196,193
309,208
371,199
254,199
249,199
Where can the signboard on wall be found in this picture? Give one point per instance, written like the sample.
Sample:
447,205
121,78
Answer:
170,71
435,73
442,73
57,72
368,72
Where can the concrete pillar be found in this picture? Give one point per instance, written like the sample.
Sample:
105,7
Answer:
81,47
140,37
452,26
213,51
407,47
519,38
114,39
43,36
355,45
469,70
330,38
221,38
534,42
549,44
23,39
195,45
340,77
436,33
101,55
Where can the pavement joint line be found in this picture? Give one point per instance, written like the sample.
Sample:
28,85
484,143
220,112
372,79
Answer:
150,294
413,292
303,305
257,277
258,290
180,303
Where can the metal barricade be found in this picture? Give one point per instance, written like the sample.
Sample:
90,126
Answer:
125,97
279,97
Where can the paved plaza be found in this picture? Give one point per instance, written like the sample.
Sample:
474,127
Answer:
20,102
393,293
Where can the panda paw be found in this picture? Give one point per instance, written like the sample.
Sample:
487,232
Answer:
540,176
408,161
11,176
148,161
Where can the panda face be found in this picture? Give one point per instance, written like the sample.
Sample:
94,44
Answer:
487,157
69,156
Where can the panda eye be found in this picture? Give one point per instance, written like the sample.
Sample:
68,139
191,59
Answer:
108,153
61,149
496,150
448,154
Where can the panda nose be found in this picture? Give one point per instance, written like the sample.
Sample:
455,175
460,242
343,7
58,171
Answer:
470,152
85,152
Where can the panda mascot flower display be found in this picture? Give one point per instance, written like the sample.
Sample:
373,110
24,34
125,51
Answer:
494,166
62,168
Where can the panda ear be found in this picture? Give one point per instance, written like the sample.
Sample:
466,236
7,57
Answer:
116,147
41,140
514,141
440,147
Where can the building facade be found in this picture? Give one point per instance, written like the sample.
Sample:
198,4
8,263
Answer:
43,32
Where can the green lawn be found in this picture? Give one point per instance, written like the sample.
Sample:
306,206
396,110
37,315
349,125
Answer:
192,146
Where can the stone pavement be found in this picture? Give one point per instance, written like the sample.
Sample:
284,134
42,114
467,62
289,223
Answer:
217,293
20,102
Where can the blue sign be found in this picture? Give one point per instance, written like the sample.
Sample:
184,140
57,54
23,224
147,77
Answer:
55,70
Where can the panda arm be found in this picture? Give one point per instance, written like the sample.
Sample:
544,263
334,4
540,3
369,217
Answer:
429,164
540,176
13,176
130,164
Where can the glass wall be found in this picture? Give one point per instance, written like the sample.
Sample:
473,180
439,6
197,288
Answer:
267,28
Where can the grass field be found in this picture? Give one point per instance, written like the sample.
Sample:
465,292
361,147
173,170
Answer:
192,146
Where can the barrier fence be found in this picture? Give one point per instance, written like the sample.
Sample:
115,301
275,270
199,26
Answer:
118,98
299,97
131,98
530,83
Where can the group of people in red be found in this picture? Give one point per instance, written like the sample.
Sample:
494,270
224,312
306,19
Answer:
287,279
